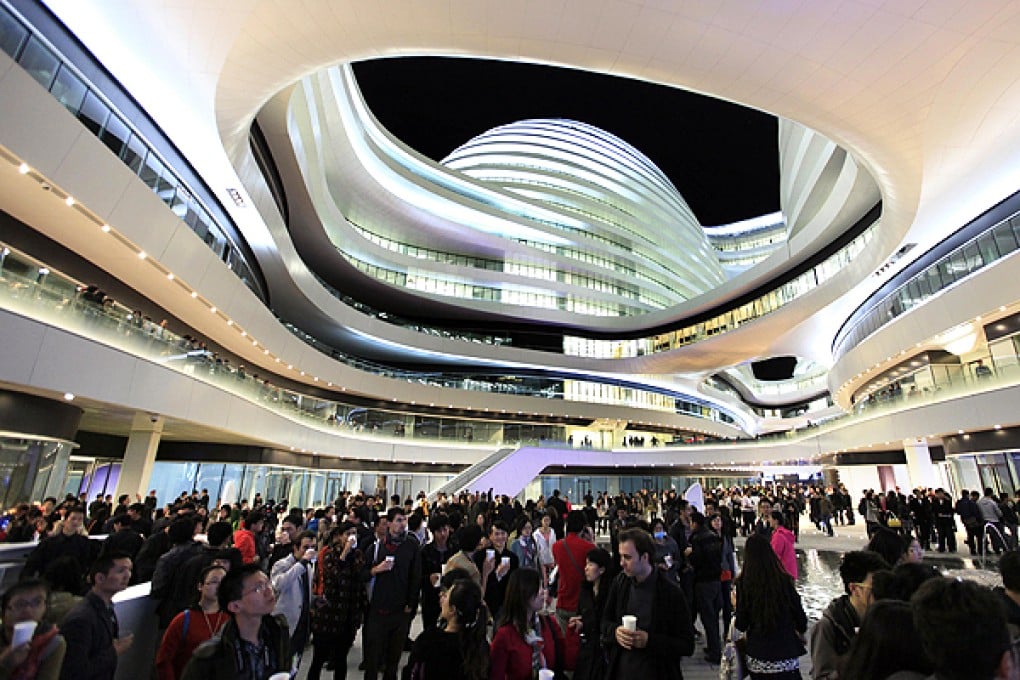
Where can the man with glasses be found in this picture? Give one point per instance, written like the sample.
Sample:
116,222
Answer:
254,644
832,635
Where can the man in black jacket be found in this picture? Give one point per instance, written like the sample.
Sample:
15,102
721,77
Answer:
706,559
662,633
91,629
70,541
394,577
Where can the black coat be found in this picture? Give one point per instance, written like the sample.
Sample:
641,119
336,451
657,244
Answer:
89,630
672,633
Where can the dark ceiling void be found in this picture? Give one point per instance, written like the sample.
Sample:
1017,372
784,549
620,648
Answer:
722,157
776,368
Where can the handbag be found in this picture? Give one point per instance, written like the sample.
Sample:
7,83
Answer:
732,665
893,522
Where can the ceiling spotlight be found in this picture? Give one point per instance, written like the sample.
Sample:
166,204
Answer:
23,168
170,277
230,322
69,201
142,255
212,309
105,228
194,294
68,396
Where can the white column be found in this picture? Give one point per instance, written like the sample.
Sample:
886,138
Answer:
140,455
919,466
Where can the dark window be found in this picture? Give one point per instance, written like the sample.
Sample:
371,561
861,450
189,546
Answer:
152,168
134,153
93,113
1004,238
115,134
989,251
12,34
40,63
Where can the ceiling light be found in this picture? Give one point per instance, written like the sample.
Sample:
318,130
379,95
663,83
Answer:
69,201
68,396
244,334
998,427
170,277
23,168
105,228
230,322
194,294
212,309
142,255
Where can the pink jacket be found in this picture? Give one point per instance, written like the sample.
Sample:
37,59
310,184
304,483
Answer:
782,544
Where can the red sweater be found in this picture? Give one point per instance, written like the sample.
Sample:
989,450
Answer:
244,540
174,653
570,577
510,655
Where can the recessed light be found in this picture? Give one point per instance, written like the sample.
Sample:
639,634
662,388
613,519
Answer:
230,322
194,294
170,276
69,201
142,255
212,309
23,168
105,228
68,396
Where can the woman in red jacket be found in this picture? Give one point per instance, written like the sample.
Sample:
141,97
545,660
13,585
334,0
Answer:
525,641
192,627
782,543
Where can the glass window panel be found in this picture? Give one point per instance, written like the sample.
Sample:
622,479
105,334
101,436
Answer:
1014,222
946,272
972,257
958,265
986,245
151,170
68,89
40,63
1004,238
115,134
134,153
93,113
12,34
934,280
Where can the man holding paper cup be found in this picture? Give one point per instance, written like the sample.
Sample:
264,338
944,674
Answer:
495,565
646,624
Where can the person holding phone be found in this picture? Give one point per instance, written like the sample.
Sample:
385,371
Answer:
29,649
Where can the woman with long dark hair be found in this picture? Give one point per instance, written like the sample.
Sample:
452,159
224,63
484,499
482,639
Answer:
887,643
458,650
525,642
769,612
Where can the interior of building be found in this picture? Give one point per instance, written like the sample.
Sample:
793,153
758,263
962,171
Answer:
221,271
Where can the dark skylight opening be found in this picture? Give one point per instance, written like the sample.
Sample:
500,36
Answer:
723,158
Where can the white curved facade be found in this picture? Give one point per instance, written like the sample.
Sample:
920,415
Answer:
623,200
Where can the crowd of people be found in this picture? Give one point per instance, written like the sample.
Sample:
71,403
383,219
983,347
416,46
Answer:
504,589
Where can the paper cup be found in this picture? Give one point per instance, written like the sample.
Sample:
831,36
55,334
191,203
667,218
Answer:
505,561
390,558
630,622
280,676
546,674
23,633
490,554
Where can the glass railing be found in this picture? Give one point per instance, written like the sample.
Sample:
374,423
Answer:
731,319
999,241
30,288
94,111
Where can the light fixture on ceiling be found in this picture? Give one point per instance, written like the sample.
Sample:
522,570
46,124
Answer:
24,169
68,396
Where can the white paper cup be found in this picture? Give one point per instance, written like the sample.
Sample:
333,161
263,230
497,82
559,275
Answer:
280,676
630,622
490,554
23,633
390,558
505,561
669,561
546,674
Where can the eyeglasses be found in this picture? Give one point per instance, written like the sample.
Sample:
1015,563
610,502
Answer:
27,604
261,588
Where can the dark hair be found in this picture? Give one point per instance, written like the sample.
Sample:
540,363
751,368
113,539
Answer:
642,540
465,598
181,530
197,597
452,576
888,544
468,537
575,522
253,518
778,516
232,586
522,587
499,525
105,561
1009,568
300,537
764,585
437,521
886,643
25,586
856,566
697,518
908,577
962,627
395,511
121,519
217,532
